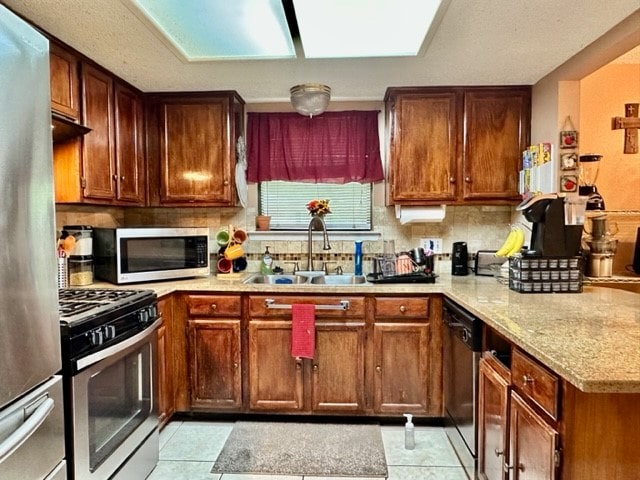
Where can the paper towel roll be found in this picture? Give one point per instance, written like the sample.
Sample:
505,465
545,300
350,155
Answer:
420,214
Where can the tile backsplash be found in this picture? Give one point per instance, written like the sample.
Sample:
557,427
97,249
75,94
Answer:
482,227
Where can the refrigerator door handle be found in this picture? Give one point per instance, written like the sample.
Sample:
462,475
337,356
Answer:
28,428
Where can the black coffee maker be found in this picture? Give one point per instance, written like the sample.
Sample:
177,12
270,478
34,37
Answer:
549,234
459,259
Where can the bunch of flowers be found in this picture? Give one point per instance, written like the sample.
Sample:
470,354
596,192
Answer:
318,207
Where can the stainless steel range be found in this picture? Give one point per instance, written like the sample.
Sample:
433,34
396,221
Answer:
109,344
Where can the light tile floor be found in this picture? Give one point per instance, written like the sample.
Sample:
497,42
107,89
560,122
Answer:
188,450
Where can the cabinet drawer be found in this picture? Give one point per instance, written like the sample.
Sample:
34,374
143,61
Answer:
536,382
258,306
213,305
404,307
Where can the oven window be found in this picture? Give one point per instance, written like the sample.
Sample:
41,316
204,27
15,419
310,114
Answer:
119,401
165,253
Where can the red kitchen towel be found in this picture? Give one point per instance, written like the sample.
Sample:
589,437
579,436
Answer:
303,330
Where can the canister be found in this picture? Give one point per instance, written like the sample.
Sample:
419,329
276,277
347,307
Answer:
80,271
84,239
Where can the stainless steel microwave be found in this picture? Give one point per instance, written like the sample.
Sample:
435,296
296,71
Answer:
146,254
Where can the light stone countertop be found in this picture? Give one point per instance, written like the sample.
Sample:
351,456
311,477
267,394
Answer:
591,339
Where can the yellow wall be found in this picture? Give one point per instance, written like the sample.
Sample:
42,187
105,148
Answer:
602,97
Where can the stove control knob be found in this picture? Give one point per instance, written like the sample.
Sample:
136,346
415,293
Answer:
143,316
96,337
109,332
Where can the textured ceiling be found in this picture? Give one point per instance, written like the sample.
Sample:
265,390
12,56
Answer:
476,43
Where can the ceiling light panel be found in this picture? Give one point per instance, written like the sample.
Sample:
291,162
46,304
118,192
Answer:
204,30
363,28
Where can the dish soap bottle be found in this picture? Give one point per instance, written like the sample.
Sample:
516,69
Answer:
266,267
409,434
358,259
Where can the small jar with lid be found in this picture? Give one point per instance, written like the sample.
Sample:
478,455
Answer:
80,271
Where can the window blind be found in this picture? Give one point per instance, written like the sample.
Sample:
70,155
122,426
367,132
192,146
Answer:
286,203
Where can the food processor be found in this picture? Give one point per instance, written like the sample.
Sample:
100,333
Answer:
589,165
600,246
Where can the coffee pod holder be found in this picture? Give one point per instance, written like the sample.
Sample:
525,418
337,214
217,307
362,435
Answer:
234,236
545,274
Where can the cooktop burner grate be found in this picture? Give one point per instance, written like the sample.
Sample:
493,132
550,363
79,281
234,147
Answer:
97,295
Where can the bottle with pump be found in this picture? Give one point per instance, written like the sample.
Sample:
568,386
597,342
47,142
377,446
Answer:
358,259
266,267
409,433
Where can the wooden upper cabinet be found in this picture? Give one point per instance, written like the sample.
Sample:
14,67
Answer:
456,145
193,142
497,124
65,95
130,167
98,160
423,145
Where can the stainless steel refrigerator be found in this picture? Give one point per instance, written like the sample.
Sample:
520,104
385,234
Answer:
31,408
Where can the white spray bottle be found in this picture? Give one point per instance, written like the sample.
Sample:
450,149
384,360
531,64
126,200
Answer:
409,434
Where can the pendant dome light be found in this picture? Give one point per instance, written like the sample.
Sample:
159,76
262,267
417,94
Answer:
310,99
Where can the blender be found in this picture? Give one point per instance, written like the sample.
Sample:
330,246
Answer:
588,166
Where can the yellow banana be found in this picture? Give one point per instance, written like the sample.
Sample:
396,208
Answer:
507,246
517,243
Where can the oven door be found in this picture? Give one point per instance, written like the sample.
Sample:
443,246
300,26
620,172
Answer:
113,405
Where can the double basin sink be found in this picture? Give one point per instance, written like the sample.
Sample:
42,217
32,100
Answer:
315,279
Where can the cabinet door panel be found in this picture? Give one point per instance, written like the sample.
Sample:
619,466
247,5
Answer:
401,368
492,423
532,444
496,132
195,152
63,67
338,368
275,377
98,165
424,147
214,356
166,403
129,154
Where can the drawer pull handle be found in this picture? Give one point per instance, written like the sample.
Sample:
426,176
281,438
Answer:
528,379
498,453
213,307
271,303
403,308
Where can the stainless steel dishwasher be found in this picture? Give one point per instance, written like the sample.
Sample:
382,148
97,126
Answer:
461,350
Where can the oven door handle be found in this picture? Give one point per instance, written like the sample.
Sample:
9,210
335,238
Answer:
24,431
118,347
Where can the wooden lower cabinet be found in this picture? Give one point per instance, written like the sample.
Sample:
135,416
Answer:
332,382
493,417
166,402
214,364
532,444
407,355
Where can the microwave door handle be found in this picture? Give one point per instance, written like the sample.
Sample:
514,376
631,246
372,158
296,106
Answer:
24,431
119,347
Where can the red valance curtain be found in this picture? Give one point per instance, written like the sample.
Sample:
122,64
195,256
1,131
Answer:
335,147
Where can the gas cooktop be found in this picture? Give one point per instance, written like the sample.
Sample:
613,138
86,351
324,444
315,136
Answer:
83,305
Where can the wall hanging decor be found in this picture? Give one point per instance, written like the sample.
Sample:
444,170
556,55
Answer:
630,123
569,134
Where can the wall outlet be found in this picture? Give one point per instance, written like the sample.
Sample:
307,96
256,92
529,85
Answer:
434,244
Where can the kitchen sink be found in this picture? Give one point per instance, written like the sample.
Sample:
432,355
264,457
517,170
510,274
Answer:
277,279
338,280
306,280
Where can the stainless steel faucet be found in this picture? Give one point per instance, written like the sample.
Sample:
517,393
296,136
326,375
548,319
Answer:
315,221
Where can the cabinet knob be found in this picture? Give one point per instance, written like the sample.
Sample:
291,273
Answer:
506,467
498,453
213,307
467,179
403,308
315,368
235,365
452,180
114,177
225,183
378,368
122,178
528,379
298,364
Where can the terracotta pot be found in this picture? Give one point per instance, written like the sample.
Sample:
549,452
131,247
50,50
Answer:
262,222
